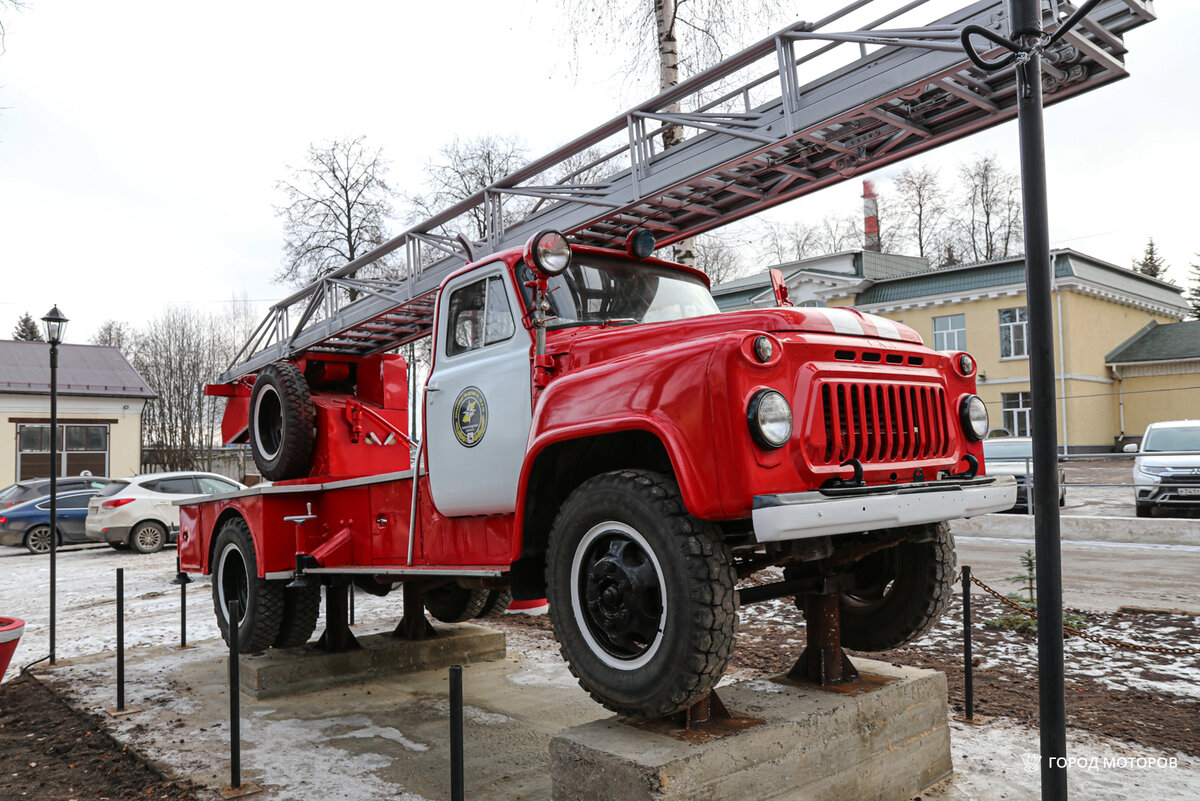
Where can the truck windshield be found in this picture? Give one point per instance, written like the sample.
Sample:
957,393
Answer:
596,290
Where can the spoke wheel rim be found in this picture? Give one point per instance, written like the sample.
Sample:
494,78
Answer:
148,537
618,595
39,540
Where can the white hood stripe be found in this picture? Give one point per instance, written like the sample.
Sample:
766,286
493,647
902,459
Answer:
886,328
844,322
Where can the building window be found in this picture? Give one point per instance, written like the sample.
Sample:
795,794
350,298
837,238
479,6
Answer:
1014,412
80,448
1014,342
950,332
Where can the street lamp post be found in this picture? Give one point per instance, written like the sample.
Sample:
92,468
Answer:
56,327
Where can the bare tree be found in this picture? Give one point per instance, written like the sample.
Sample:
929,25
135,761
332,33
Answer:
1193,294
990,226
838,233
784,242
921,210
119,335
15,5
719,257
464,167
338,209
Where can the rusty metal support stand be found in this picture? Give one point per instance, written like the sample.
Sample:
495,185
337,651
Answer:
823,661
710,708
337,636
414,625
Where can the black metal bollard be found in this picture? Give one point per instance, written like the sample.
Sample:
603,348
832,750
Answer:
350,589
235,698
183,616
120,639
968,676
456,733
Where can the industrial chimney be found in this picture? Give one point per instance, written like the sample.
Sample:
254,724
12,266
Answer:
870,218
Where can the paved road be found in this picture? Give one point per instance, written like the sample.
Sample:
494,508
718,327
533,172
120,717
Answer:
1100,576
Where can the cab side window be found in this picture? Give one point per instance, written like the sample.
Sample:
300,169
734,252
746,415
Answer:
479,315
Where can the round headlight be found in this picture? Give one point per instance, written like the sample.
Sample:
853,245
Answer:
548,252
763,349
966,365
640,243
770,418
974,415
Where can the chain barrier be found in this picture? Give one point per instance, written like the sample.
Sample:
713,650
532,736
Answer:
1109,641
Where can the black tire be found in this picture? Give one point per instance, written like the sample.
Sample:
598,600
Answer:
452,603
283,422
1144,509
497,602
641,594
37,539
301,608
900,592
235,575
147,537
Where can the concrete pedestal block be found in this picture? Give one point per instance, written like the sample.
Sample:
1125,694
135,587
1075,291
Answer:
295,670
884,737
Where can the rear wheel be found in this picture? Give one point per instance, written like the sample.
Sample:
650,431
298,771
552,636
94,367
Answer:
235,575
147,537
37,539
497,602
641,594
453,603
282,422
899,593
301,608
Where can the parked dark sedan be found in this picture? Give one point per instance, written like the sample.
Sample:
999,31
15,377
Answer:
32,488
28,523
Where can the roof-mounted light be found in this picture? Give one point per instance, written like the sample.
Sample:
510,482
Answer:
548,252
640,243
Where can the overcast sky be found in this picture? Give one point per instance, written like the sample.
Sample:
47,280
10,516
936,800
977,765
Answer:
140,142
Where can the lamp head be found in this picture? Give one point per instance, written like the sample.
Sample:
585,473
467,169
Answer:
56,326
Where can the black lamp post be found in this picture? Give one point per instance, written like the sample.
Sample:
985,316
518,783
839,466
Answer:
56,328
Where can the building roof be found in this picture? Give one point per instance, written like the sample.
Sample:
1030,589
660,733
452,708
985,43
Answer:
1155,342
93,370
1001,272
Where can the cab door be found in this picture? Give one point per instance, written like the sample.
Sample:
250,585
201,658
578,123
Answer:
478,403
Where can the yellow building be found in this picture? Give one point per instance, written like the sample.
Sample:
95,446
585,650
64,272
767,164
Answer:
1157,371
980,308
100,402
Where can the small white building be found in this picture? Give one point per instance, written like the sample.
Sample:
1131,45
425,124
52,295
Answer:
100,402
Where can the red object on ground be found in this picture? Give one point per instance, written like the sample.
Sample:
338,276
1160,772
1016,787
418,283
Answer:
537,607
11,629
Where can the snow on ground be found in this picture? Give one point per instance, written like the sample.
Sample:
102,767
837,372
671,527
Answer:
989,759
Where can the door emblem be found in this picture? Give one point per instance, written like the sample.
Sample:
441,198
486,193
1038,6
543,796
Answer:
470,417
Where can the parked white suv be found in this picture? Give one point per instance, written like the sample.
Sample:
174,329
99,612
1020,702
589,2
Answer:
140,512
1163,477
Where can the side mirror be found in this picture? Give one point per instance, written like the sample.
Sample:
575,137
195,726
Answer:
1130,447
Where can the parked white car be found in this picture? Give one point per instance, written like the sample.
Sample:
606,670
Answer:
140,512
1163,477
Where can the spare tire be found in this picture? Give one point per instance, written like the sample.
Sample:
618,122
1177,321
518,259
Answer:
283,422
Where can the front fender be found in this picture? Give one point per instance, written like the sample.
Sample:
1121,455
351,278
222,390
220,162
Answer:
663,392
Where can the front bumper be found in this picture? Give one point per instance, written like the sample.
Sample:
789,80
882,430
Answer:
820,513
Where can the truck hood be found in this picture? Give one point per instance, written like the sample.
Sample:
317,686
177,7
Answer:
590,344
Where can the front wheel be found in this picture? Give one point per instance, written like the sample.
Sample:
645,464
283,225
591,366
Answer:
641,594
235,575
900,592
37,540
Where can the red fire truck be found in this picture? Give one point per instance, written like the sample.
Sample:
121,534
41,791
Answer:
592,430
